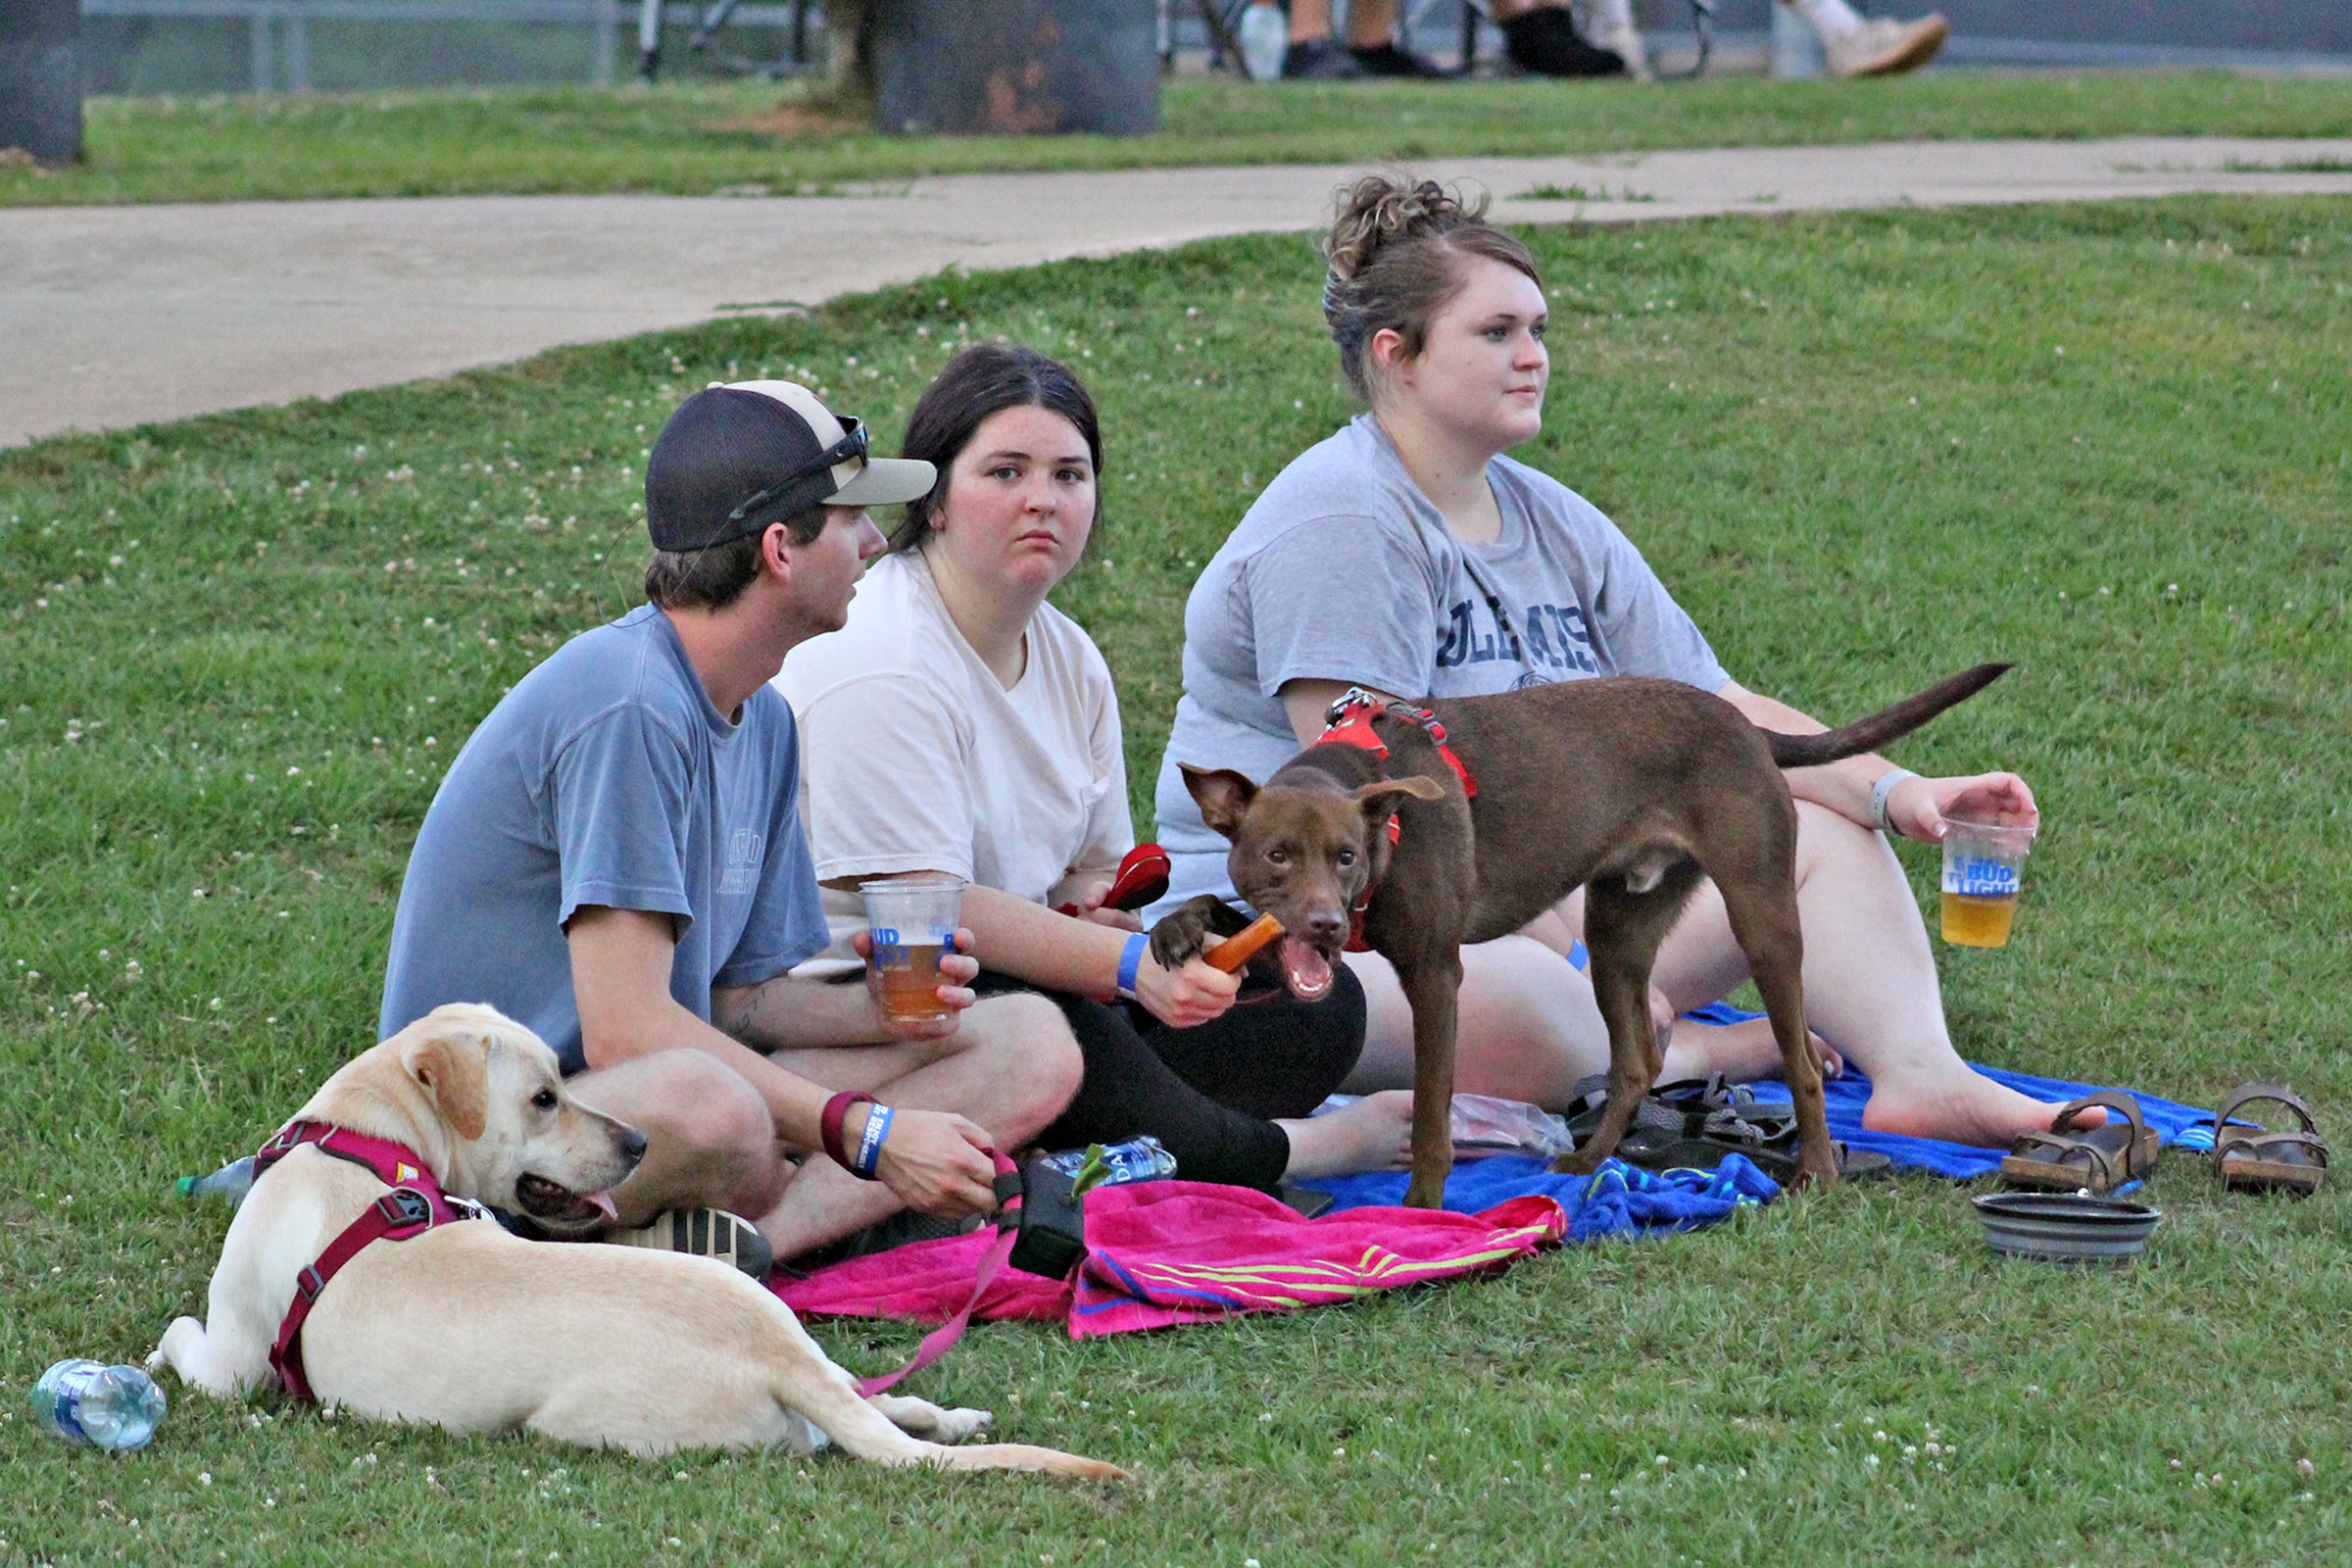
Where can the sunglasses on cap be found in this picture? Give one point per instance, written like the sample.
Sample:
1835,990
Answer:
851,445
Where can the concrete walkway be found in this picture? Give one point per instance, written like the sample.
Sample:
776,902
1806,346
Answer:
114,316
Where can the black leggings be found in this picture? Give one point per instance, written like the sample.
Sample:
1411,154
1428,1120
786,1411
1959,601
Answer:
1208,1092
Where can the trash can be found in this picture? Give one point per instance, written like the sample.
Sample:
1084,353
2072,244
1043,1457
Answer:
40,78
1017,67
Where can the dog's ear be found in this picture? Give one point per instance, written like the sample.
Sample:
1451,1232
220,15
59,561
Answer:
454,1068
1223,795
1379,798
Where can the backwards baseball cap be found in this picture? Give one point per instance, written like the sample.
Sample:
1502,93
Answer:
734,459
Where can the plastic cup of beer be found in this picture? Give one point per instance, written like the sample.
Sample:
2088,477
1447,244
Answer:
1982,865
912,922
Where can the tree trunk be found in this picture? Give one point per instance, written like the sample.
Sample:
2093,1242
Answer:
40,78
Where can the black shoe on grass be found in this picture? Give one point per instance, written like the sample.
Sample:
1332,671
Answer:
1546,41
1320,60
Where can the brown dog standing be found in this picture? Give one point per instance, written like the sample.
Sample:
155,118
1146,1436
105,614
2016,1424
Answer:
1631,788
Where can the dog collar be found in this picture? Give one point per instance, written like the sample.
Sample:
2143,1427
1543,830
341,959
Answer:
415,1204
1348,722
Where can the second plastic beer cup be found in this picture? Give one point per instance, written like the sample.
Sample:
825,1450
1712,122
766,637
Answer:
912,922
1982,864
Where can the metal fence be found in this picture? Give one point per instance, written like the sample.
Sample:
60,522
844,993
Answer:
194,45
280,32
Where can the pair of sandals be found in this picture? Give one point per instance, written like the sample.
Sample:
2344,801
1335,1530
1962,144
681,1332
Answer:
2099,1159
1693,1123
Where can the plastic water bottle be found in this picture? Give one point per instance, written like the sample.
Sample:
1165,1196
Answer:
1139,1159
112,1408
230,1183
1263,36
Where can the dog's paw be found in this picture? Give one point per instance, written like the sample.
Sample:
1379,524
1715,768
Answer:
957,1425
1178,938
920,1418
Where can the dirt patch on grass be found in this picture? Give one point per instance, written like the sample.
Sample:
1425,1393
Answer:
795,120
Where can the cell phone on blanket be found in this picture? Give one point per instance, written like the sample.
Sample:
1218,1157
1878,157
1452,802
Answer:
1142,877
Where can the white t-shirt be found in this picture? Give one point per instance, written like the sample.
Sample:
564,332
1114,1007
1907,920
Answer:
914,757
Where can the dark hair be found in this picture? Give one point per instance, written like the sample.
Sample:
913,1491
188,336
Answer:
1392,256
986,379
715,575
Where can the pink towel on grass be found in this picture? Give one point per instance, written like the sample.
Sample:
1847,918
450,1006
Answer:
1167,1253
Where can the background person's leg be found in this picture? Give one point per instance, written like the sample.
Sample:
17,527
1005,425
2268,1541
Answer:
1855,45
1870,988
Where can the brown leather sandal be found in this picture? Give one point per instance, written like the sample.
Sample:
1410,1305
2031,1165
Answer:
2254,1159
2095,1159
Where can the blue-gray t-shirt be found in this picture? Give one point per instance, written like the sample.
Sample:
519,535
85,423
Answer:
606,777
1344,571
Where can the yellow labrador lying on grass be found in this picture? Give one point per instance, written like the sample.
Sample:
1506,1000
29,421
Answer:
471,1329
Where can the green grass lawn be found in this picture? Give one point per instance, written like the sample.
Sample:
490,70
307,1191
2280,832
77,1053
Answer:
678,139
2113,443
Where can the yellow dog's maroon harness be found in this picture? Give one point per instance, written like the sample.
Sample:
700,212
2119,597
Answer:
414,1206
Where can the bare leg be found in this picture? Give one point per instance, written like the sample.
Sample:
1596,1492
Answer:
1369,22
709,1141
1869,985
1011,1066
1376,1133
1530,1029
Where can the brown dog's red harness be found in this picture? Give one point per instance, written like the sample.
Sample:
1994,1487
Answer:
1348,722
414,1206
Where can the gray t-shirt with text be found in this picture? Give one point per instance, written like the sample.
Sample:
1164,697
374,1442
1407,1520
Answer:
1345,571
606,777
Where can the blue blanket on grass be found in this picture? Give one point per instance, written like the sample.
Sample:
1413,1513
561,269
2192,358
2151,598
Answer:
1623,1202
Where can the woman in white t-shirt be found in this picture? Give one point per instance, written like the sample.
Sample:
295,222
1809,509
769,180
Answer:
1408,555
960,723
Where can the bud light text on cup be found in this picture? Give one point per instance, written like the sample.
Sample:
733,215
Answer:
890,947
1980,879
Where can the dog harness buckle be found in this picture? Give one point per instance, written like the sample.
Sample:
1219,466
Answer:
405,1208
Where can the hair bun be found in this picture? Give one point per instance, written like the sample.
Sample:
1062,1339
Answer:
1380,209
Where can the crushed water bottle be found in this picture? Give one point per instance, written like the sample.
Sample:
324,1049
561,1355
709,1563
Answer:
1139,1159
112,1408
232,1182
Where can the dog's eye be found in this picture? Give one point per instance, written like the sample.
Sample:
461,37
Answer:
545,1099
1347,858
1278,857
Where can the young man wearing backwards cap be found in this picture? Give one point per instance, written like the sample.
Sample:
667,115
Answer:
616,860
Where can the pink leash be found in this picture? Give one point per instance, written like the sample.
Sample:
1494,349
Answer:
942,1338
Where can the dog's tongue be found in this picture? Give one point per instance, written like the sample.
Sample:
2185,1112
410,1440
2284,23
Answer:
603,1206
1305,970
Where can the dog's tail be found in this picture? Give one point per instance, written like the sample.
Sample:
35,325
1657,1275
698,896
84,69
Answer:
1886,724
1024,1457
861,1429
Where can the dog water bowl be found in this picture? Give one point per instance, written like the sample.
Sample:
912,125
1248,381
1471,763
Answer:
2066,1227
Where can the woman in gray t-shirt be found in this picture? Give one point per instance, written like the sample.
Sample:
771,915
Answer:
1408,555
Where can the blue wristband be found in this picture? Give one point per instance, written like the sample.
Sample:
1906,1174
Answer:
1131,963
869,1141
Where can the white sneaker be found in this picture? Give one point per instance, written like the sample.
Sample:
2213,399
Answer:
702,1233
1625,40
1884,47
1610,24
